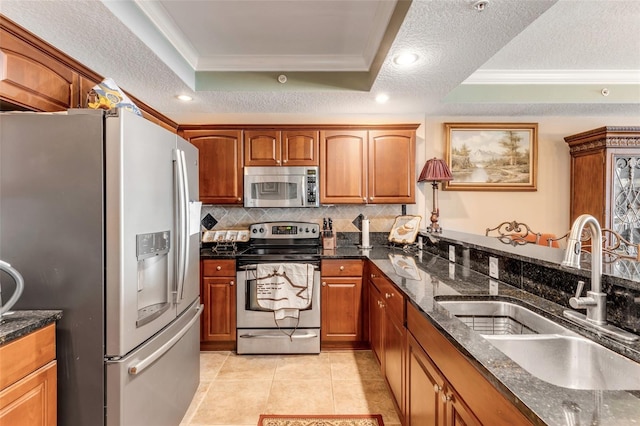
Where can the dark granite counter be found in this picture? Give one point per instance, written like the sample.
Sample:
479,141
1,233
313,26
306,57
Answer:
543,403
16,324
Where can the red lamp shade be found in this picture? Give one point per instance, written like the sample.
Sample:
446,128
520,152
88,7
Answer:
435,170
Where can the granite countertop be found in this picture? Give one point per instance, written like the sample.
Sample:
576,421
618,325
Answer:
15,324
543,403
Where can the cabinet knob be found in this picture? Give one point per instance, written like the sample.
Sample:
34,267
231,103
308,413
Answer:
364,199
380,304
437,388
218,268
371,198
285,161
445,398
239,199
324,284
342,267
373,275
388,295
231,282
277,161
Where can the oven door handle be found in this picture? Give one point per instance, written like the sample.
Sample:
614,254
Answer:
278,336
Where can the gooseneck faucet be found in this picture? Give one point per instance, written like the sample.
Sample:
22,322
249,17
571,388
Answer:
596,301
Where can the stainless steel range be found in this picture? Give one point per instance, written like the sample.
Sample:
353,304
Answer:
278,246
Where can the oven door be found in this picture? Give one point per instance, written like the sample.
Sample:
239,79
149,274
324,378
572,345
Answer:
250,315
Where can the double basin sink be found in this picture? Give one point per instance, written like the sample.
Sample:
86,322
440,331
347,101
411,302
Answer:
544,348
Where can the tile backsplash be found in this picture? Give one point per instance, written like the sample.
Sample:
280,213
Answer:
345,217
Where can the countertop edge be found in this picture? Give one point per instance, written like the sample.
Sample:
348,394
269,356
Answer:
16,324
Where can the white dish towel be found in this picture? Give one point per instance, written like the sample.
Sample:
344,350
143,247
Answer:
284,288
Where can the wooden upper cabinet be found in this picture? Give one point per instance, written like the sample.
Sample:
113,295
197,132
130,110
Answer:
32,79
392,156
368,167
280,148
220,157
343,167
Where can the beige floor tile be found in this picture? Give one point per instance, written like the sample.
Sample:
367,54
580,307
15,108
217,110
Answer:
232,402
364,396
210,364
241,367
303,367
356,364
201,392
300,397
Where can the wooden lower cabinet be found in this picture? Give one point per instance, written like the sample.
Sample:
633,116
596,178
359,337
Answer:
387,333
431,400
444,388
28,380
218,290
342,304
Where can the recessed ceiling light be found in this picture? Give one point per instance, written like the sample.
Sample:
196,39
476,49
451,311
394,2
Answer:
382,98
405,59
481,5
185,98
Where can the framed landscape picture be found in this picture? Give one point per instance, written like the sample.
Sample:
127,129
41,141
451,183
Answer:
492,156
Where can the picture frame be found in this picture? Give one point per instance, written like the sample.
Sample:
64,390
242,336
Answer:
492,156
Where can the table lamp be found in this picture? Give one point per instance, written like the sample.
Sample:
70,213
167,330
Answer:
436,171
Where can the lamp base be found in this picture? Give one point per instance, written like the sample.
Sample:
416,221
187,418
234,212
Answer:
434,228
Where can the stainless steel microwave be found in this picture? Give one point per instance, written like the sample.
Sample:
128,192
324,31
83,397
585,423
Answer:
281,187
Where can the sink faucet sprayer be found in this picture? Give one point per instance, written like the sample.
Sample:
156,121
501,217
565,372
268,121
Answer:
596,301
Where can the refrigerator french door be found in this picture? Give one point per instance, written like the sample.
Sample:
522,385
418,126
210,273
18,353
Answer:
98,209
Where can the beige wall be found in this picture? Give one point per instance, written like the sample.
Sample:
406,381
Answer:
544,210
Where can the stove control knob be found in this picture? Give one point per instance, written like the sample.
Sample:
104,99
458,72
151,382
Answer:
313,230
306,230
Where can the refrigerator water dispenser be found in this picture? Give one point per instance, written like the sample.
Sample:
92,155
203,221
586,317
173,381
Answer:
152,251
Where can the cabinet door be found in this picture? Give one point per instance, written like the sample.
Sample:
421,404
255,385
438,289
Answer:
33,79
457,412
425,383
31,401
262,148
341,309
220,157
376,321
392,166
219,316
343,167
300,148
394,343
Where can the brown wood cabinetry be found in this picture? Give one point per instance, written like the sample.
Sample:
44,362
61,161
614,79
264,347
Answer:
218,290
28,383
342,304
281,148
220,159
36,76
465,396
604,172
367,166
387,332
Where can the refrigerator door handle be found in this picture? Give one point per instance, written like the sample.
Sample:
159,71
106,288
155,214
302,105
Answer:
140,366
186,224
180,226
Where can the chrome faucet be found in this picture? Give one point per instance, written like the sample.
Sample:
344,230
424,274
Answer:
596,301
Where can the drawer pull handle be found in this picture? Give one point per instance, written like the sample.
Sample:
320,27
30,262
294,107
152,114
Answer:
231,282
437,388
342,267
446,398
324,284
218,268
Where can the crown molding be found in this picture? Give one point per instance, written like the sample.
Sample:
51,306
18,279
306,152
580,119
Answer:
554,77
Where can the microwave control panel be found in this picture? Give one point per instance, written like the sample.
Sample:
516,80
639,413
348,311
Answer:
312,187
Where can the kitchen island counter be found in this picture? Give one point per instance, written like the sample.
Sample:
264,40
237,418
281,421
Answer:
16,324
542,403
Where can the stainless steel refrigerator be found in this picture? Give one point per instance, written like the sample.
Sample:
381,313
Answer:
99,213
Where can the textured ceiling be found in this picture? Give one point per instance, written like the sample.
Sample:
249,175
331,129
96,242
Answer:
534,57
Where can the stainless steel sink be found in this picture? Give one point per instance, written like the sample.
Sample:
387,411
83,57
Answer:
545,348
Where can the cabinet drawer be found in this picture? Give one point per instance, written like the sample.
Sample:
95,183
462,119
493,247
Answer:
394,300
26,354
219,268
342,268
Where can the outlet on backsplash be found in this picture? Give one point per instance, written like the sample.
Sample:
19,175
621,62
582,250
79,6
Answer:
493,267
